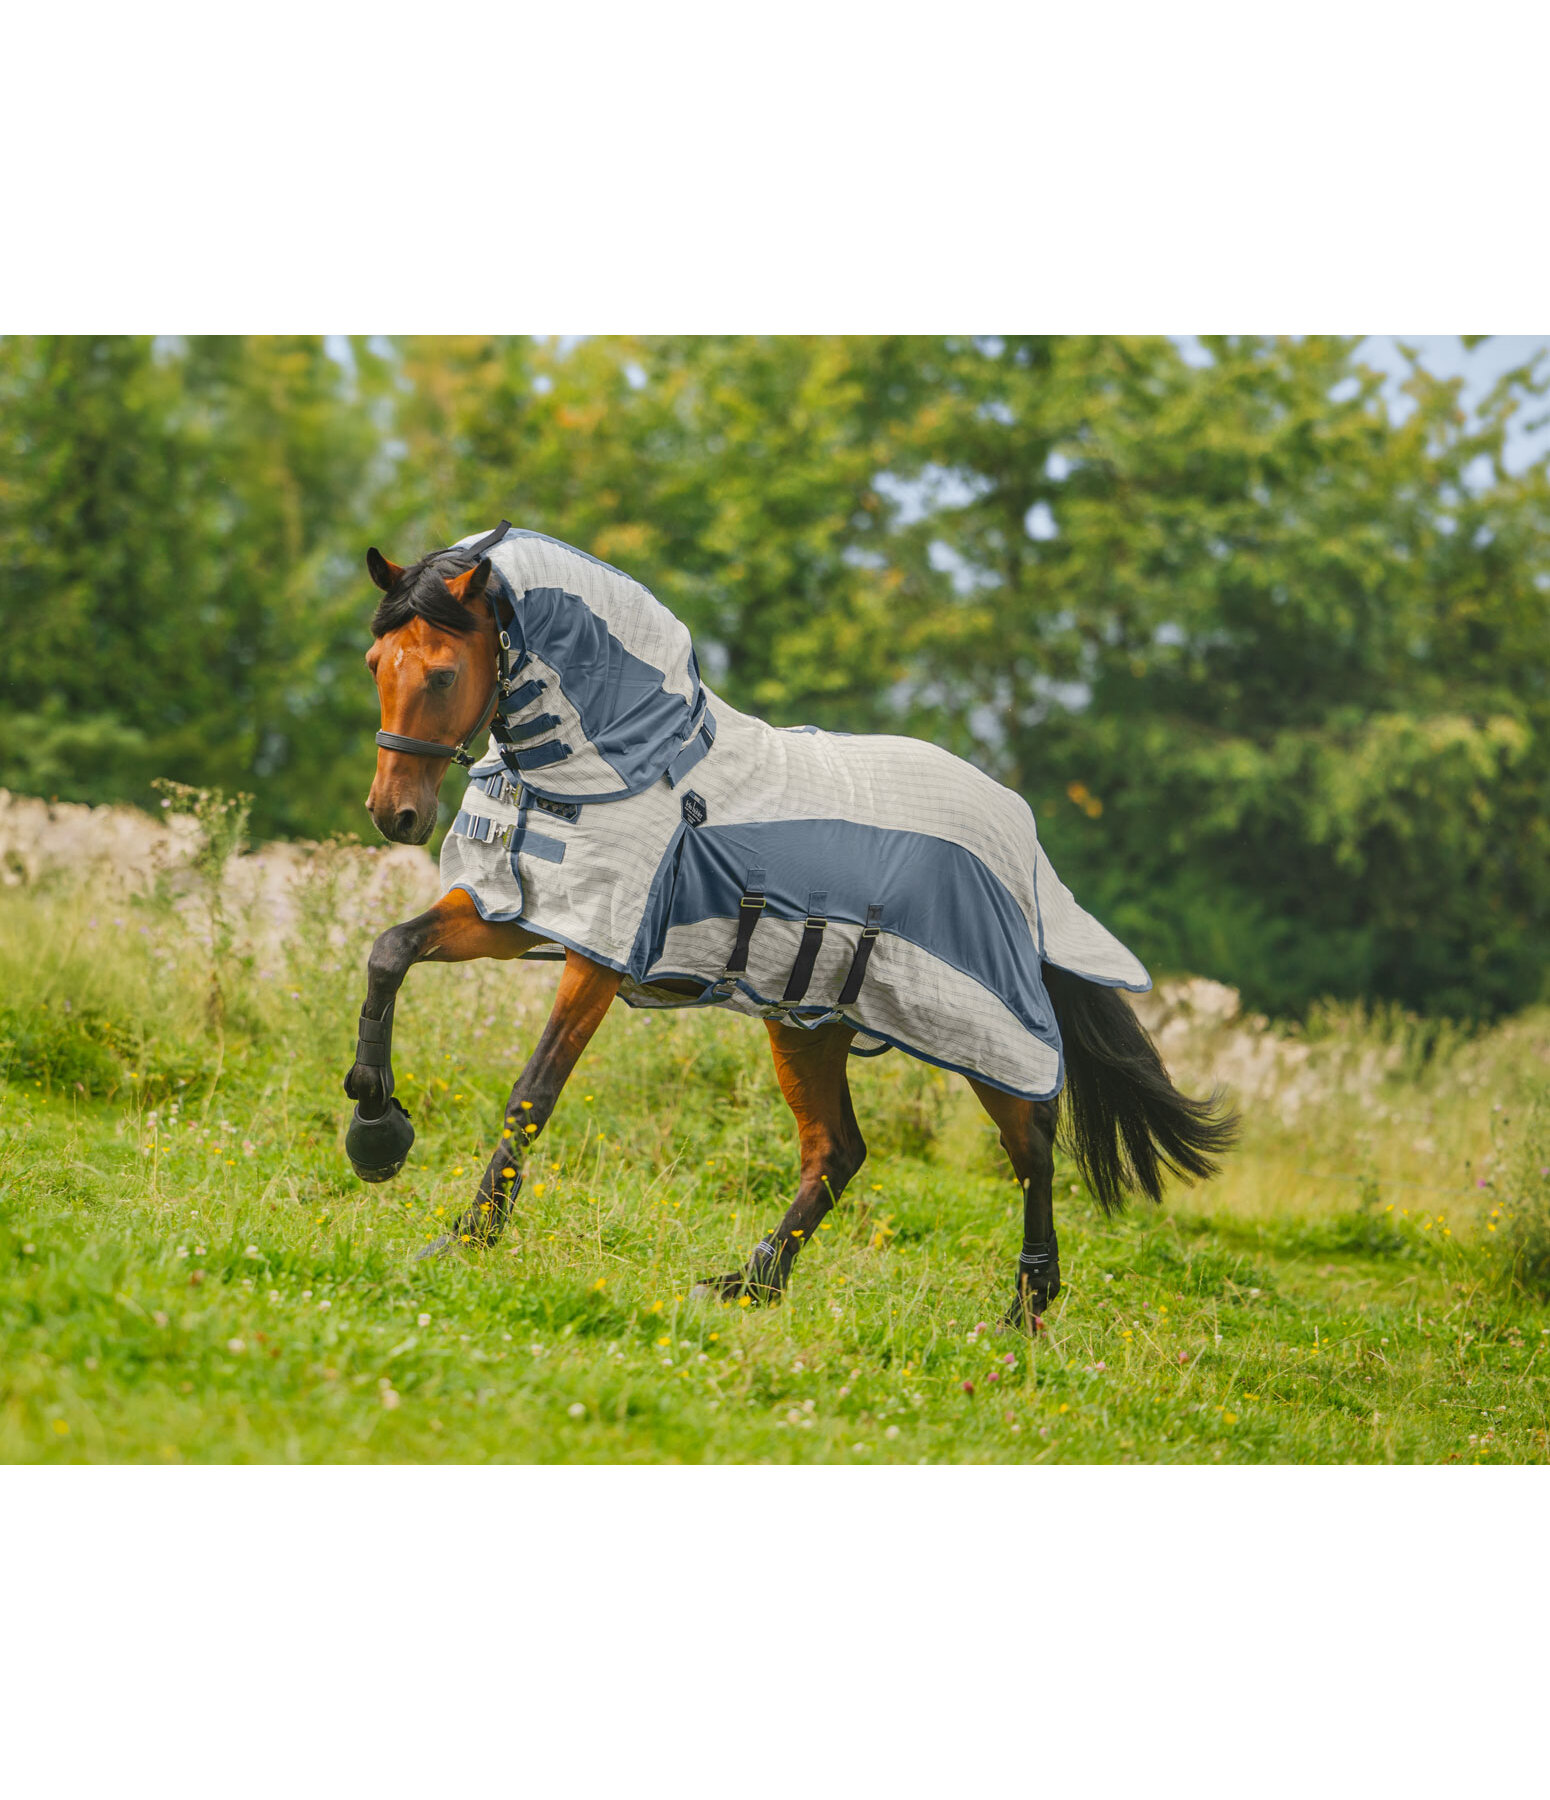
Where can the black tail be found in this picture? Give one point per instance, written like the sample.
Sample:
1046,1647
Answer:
1125,1121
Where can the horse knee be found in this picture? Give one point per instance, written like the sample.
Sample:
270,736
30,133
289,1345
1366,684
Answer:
392,953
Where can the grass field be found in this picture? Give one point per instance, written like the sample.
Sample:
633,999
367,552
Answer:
189,1271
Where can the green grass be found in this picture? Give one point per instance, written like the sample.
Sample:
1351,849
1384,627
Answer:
189,1272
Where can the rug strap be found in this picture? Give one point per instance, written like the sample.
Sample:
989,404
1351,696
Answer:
869,933
749,909
807,950
487,543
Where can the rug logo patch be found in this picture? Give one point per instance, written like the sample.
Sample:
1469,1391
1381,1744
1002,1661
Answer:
696,812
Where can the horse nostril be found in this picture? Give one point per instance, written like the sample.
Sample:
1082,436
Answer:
405,822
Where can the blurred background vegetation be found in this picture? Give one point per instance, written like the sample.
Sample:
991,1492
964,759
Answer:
1267,656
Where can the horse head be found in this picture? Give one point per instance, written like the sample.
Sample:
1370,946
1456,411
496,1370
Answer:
435,664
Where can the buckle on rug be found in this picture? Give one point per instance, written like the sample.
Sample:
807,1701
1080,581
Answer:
481,829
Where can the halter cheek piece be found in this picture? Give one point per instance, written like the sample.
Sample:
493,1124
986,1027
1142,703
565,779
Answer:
459,753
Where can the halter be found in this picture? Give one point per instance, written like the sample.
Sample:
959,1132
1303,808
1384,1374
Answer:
459,752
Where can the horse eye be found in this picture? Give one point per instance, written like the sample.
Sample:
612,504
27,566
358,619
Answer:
441,678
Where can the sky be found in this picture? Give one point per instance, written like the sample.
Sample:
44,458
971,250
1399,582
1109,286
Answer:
1446,356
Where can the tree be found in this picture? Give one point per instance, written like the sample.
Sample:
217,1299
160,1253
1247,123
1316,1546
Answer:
1270,667
1270,664
172,518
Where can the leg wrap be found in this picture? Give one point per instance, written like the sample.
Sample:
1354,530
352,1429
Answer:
374,1046
769,1265
1038,1267
766,1256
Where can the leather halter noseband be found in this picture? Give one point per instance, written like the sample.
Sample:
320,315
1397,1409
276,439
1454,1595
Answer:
458,753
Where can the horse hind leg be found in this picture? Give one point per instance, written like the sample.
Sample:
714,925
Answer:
811,1067
1027,1130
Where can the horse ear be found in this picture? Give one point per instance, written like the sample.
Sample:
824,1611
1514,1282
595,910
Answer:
470,585
383,572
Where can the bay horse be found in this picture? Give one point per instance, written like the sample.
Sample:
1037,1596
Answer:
904,890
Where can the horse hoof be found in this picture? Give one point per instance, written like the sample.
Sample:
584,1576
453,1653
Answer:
377,1148
440,1248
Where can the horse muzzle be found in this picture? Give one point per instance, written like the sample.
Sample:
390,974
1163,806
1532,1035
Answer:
404,824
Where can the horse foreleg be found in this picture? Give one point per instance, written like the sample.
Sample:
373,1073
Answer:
585,993
1028,1136
452,931
813,1072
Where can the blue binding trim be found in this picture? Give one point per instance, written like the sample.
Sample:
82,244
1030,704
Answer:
491,918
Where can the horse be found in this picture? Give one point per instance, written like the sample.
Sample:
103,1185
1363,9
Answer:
709,853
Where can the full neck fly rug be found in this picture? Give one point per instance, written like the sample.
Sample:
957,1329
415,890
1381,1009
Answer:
625,811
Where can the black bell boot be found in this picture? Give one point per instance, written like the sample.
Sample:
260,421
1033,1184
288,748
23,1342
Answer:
377,1148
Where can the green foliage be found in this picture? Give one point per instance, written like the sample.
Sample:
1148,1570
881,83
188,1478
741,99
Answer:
60,1047
1268,662
195,1275
222,822
173,599
1522,1218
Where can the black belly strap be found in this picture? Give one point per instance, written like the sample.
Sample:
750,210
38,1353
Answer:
749,909
869,934
807,950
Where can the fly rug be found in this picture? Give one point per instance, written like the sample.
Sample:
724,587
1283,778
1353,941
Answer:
856,893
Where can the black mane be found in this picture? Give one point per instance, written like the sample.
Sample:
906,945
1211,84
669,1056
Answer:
421,593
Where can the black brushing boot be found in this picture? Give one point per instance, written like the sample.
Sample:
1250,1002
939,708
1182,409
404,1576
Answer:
1038,1282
